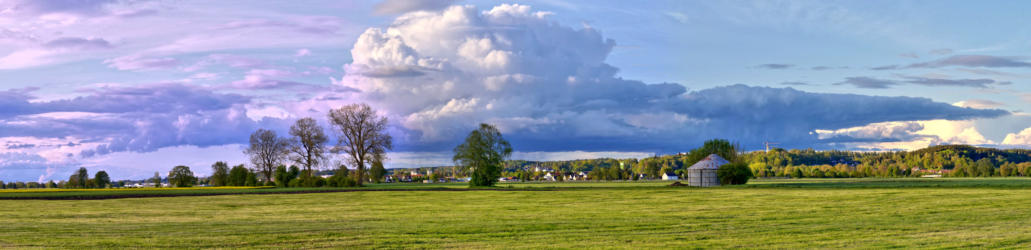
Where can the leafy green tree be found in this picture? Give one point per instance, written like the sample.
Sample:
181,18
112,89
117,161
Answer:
156,179
484,151
219,174
251,179
79,179
1007,169
181,176
377,171
238,176
984,167
797,173
2,186
73,182
736,173
101,179
282,176
294,172
720,147
50,184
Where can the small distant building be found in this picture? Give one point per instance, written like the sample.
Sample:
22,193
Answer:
703,173
548,177
670,177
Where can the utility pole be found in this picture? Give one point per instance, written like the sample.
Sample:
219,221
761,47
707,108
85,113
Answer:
767,143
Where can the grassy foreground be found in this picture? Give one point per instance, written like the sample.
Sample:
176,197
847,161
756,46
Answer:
768,214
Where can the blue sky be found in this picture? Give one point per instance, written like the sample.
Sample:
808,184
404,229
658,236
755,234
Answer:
134,87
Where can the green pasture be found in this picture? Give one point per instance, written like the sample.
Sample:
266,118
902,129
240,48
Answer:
778,213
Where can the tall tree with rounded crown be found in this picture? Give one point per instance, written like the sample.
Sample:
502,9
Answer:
484,151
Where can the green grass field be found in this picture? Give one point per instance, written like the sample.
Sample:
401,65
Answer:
808,213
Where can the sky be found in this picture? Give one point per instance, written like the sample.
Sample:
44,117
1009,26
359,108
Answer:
135,87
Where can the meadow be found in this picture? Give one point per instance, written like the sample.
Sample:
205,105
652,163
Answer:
777,213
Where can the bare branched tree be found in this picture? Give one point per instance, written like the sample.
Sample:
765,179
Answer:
266,151
309,144
361,135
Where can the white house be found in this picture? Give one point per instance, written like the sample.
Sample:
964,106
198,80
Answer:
548,177
669,177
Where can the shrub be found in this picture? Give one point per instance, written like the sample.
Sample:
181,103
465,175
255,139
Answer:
251,179
308,181
734,174
282,176
340,178
238,176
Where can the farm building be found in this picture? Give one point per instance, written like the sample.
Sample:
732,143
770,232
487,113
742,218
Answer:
703,173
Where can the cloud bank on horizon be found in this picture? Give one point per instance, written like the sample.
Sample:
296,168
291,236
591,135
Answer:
436,70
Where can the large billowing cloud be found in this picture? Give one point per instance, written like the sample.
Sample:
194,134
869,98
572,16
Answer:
547,86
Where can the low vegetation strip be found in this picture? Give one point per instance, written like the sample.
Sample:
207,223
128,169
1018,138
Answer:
850,183
599,215
130,193
1001,183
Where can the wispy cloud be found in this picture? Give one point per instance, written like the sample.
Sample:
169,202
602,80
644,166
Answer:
868,82
934,82
775,66
974,61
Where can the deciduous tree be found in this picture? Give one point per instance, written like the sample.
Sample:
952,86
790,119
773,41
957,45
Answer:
101,179
219,174
156,179
484,151
181,176
362,135
266,151
309,144
282,176
377,171
720,147
238,176
79,179
734,173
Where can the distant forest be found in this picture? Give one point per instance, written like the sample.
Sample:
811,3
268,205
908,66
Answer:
945,160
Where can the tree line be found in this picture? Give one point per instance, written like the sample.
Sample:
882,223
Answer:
361,138
944,160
